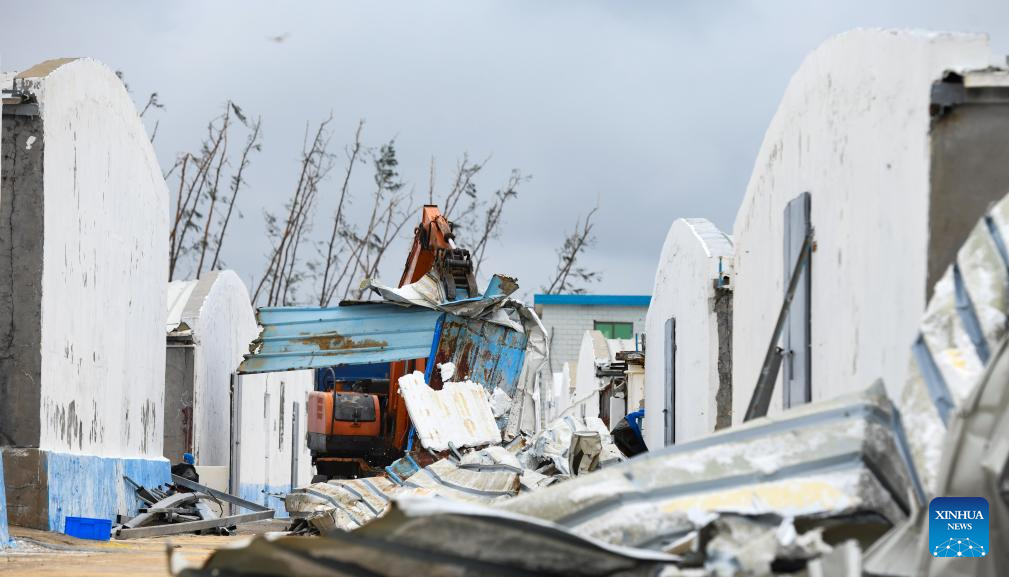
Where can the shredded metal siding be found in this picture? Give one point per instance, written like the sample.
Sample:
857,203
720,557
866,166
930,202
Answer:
309,337
483,352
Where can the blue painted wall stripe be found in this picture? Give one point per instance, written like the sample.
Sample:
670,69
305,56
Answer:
92,486
594,300
5,538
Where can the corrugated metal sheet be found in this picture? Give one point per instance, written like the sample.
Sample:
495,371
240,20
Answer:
459,413
817,463
310,337
483,352
434,537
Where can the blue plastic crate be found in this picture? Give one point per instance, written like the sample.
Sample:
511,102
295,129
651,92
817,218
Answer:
87,528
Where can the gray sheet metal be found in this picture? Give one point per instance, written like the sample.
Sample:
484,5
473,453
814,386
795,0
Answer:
436,537
815,462
968,311
968,316
191,526
182,481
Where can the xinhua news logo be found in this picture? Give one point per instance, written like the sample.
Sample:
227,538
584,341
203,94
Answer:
958,527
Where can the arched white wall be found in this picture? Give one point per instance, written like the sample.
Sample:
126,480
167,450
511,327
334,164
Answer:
595,350
684,289
104,275
592,350
853,130
223,322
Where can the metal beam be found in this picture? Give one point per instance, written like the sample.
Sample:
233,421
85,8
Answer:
191,526
761,399
182,481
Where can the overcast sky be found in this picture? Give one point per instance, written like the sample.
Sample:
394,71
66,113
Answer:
653,110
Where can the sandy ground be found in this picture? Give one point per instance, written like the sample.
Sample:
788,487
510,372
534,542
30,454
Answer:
40,553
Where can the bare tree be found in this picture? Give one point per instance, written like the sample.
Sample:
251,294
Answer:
152,102
251,144
283,273
569,274
491,221
477,220
333,250
198,228
390,211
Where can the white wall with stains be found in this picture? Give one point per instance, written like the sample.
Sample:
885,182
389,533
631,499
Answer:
268,440
103,273
853,130
223,322
694,256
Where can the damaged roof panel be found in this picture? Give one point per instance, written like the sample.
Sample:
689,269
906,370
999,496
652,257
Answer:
459,414
483,352
434,537
309,337
817,462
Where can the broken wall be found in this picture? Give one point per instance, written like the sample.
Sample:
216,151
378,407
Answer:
81,316
685,348
852,130
219,314
270,453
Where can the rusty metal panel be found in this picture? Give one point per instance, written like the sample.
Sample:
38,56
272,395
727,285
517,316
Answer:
459,414
309,337
483,352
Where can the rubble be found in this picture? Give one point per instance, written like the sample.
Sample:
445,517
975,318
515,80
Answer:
434,537
187,507
459,414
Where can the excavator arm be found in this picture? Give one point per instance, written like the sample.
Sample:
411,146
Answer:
434,249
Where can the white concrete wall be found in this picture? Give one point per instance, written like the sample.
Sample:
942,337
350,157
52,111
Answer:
595,350
635,387
688,266
267,403
104,271
566,324
852,129
223,323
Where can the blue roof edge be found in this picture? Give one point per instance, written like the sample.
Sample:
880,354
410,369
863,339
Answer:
593,300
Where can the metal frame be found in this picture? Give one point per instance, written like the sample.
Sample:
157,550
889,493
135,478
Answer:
259,513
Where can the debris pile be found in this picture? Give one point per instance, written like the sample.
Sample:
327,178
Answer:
833,487
485,474
186,506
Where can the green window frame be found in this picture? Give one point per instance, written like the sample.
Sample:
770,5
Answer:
615,329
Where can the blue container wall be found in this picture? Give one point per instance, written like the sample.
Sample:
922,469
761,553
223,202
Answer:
485,353
91,486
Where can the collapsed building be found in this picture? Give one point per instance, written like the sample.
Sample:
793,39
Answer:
82,349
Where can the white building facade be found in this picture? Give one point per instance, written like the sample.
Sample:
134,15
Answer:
688,358
82,316
883,152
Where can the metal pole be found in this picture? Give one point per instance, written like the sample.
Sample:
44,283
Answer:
761,399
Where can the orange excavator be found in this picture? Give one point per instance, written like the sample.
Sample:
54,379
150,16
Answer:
360,426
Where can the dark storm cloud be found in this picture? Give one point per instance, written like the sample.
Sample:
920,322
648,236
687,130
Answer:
653,110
